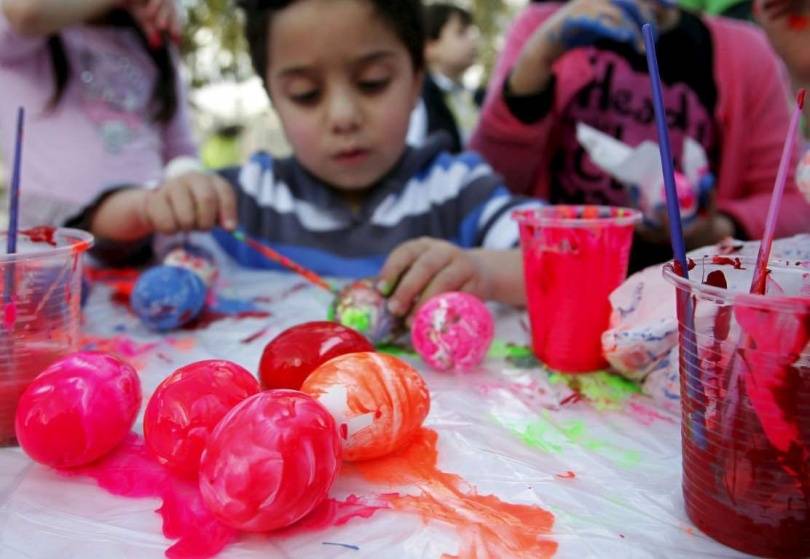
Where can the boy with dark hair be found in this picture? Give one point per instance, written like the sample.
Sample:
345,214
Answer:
353,200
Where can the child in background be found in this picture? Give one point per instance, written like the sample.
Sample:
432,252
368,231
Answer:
105,104
451,47
354,200
722,88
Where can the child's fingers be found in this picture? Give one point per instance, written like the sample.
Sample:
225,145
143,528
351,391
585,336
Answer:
417,277
159,213
206,203
450,278
226,203
397,262
182,205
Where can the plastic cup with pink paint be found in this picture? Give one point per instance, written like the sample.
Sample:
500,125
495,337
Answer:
573,258
40,293
745,399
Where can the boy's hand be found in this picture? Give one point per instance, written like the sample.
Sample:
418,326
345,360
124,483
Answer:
425,267
190,202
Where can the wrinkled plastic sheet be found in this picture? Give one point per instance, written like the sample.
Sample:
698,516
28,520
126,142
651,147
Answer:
602,458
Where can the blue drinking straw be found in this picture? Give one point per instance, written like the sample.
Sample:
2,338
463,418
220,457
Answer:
695,390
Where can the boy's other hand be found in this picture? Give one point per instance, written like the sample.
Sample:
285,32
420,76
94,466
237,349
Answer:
425,267
191,202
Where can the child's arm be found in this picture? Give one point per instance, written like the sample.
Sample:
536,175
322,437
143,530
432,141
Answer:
190,202
43,17
418,269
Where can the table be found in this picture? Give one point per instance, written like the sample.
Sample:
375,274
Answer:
605,462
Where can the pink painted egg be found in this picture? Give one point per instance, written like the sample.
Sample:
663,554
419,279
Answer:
270,461
452,331
378,401
78,409
186,407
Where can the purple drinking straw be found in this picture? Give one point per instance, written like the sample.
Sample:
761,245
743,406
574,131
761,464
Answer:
673,209
696,421
761,268
14,194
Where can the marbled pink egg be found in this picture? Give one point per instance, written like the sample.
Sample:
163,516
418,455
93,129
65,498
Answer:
78,409
270,461
186,407
452,331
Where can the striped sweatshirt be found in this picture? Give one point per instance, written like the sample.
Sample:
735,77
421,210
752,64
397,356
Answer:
429,192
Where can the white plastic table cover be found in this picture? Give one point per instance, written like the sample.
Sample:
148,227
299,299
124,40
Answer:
604,461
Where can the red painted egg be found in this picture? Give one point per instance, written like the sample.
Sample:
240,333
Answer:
186,407
78,409
292,355
270,461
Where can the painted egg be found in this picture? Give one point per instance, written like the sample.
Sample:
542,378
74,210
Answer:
194,259
292,355
362,307
452,331
378,401
166,297
270,461
186,407
78,409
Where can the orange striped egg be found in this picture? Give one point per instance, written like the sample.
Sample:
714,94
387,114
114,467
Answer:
377,400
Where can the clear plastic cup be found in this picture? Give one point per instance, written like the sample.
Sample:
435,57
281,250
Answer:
40,292
745,397
573,258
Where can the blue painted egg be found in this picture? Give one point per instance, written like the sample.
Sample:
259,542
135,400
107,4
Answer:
167,297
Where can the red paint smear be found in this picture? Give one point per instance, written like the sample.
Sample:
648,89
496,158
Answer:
10,315
567,475
131,471
255,336
43,234
736,263
334,513
487,526
208,317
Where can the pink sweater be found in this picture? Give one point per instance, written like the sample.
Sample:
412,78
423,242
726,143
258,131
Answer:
752,122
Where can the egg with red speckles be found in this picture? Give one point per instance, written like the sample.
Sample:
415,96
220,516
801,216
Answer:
452,331
379,401
194,259
361,306
78,409
186,407
270,461
167,297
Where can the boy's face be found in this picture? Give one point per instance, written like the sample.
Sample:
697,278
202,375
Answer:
456,48
344,87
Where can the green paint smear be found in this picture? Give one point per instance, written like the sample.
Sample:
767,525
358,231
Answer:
519,356
553,438
605,391
358,319
396,350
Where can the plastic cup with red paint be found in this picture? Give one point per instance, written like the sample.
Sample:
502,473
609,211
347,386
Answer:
573,258
745,398
40,293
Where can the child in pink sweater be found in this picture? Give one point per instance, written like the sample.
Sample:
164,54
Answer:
722,88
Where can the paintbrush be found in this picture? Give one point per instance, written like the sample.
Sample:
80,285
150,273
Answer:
279,258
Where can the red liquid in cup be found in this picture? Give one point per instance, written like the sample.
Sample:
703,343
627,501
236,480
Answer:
746,420
574,257
40,291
